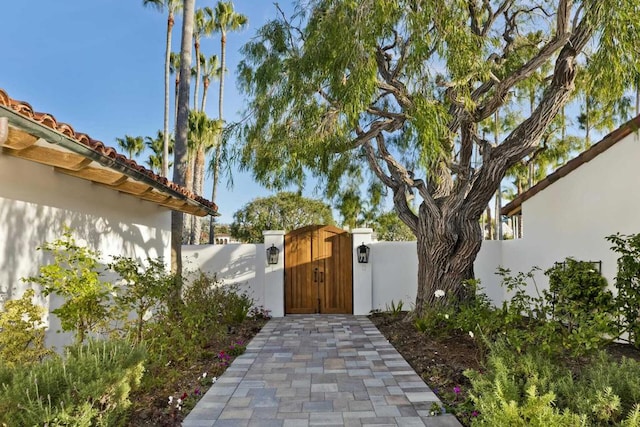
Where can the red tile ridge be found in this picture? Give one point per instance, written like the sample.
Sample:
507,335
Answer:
45,119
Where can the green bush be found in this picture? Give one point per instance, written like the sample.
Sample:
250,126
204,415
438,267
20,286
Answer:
576,315
145,287
89,386
522,389
75,276
581,305
22,332
628,283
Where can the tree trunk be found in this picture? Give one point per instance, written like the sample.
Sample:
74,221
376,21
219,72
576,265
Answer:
196,88
218,152
198,183
181,160
205,88
167,74
447,247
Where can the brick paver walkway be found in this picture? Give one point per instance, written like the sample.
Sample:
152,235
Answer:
308,370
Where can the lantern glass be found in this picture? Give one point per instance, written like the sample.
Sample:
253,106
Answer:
363,253
272,255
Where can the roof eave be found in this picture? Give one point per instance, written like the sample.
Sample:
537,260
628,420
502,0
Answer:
175,199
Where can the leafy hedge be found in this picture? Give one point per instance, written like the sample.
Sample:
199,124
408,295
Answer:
89,386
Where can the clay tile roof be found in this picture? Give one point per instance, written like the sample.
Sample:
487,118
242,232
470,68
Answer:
48,120
514,207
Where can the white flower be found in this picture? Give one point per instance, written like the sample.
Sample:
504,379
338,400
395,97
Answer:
439,293
204,375
446,316
170,400
179,402
213,380
471,334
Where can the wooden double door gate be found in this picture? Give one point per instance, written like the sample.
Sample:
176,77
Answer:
318,274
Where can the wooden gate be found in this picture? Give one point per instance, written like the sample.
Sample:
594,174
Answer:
318,274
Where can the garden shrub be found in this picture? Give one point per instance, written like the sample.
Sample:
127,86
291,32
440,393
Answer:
89,386
604,387
22,332
532,389
627,282
208,310
582,305
517,390
575,315
144,288
75,276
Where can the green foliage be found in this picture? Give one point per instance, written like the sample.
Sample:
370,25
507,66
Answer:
284,211
395,309
575,315
90,386
22,332
521,389
209,308
628,283
389,227
75,276
582,304
145,287
435,321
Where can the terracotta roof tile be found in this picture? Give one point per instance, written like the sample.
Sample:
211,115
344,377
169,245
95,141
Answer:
45,119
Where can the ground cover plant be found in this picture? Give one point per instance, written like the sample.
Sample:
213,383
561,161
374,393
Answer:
136,359
550,357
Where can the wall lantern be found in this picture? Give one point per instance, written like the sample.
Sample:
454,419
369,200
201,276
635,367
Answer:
363,253
272,254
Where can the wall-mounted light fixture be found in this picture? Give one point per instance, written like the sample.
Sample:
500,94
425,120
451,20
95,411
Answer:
363,253
272,255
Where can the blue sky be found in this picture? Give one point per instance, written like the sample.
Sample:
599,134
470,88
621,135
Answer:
98,66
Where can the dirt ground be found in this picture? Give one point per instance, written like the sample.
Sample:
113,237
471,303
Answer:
151,408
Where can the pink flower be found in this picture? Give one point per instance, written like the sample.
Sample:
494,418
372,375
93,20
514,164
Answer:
456,390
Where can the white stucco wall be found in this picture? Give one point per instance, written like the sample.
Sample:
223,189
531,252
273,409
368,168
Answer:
35,202
395,273
234,264
573,216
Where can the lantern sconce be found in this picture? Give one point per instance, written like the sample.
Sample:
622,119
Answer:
272,255
363,253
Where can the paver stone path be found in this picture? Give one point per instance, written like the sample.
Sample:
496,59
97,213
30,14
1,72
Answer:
318,370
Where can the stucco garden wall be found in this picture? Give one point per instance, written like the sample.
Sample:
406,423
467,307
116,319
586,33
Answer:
573,216
233,264
35,202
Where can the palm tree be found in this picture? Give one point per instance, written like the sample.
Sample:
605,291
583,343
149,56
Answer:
202,136
156,146
226,19
203,26
173,7
133,145
174,68
180,157
210,70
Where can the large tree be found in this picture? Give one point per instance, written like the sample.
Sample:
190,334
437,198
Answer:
156,145
283,211
225,19
405,86
172,7
203,133
203,26
182,128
